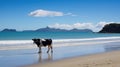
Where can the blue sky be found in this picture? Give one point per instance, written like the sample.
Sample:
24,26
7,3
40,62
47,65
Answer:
66,14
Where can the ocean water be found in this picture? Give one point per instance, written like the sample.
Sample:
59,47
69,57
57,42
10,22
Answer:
18,47
52,35
23,40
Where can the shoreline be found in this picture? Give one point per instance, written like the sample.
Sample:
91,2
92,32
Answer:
107,59
28,57
28,44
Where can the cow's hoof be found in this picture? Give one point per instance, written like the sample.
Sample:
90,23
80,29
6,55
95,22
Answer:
47,51
39,52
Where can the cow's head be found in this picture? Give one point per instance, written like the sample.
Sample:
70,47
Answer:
36,40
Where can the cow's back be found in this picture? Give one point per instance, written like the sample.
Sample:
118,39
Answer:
47,42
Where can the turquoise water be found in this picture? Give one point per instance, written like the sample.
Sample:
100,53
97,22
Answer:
53,35
18,46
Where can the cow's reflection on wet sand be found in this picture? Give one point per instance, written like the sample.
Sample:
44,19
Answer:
45,59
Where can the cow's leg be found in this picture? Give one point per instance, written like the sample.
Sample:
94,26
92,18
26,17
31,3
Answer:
48,48
39,49
51,49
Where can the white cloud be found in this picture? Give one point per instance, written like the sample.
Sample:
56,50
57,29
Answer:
70,14
95,27
44,13
47,13
61,26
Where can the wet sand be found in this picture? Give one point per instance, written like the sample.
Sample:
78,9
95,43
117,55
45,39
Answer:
108,59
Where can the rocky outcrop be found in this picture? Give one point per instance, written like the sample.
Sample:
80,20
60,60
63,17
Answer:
111,28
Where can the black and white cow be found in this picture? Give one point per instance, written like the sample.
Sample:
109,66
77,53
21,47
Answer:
43,42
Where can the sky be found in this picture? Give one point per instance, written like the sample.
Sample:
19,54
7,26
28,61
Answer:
63,14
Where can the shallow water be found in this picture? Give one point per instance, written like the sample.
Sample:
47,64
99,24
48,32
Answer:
14,58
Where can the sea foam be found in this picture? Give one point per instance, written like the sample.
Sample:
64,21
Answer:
28,44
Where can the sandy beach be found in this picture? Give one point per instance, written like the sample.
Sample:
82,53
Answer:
108,59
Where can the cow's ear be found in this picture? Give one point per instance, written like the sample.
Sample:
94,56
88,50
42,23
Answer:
38,39
34,39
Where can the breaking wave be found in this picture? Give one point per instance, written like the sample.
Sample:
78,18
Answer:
28,44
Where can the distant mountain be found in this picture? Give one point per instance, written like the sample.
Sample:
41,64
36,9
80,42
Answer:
27,31
111,28
9,30
80,30
47,29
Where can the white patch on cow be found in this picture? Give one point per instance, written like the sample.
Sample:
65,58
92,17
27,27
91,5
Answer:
43,39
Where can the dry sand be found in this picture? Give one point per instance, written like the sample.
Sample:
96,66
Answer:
108,59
